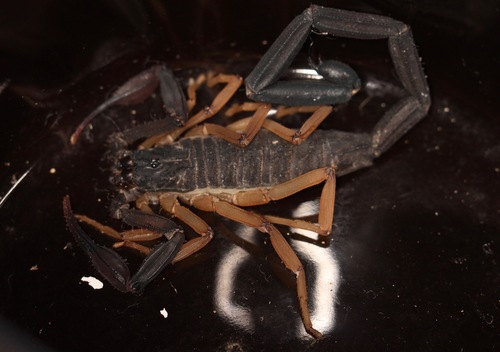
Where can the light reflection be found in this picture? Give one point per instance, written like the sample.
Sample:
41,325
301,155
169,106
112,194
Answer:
322,293
304,73
225,279
15,185
323,274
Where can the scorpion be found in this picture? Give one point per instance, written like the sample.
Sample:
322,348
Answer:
203,168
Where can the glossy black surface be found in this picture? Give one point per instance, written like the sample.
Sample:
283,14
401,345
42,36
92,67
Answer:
413,260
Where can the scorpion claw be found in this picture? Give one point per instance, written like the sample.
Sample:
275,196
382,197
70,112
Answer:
159,257
113,267
106,261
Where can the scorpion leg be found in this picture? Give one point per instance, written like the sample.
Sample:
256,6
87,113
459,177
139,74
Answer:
170,203
280,245
232,84
327,200
126,238
243,131
241,139
137,89
113,267
298,136
281,110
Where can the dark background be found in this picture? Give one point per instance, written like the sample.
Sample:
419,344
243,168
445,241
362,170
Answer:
415,240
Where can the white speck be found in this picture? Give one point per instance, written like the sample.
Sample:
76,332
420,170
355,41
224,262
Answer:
34,268
175,290
164,313
264,42
446,109
52,170
93,282
436,213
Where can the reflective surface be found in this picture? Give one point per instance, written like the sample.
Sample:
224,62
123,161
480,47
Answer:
413,260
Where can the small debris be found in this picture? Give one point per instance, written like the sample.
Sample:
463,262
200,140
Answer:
93,282
487,248
34,268
52,170
164,313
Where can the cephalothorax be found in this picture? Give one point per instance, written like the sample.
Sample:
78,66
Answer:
203,169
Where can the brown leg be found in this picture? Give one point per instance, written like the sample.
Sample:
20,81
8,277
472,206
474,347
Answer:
265,195
170,203
242,139
298,136
194,85
281,111
280,245
297,223
243,131
244,107
232,83
126,238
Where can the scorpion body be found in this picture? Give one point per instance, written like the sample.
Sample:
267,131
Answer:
210,164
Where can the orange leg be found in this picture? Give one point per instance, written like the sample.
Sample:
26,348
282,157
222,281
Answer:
126,238
243,131
261,196
170,203
241,139
281,111
298,136
280,245
232,84
193,86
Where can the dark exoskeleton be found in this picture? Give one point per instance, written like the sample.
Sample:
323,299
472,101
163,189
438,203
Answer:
210,173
